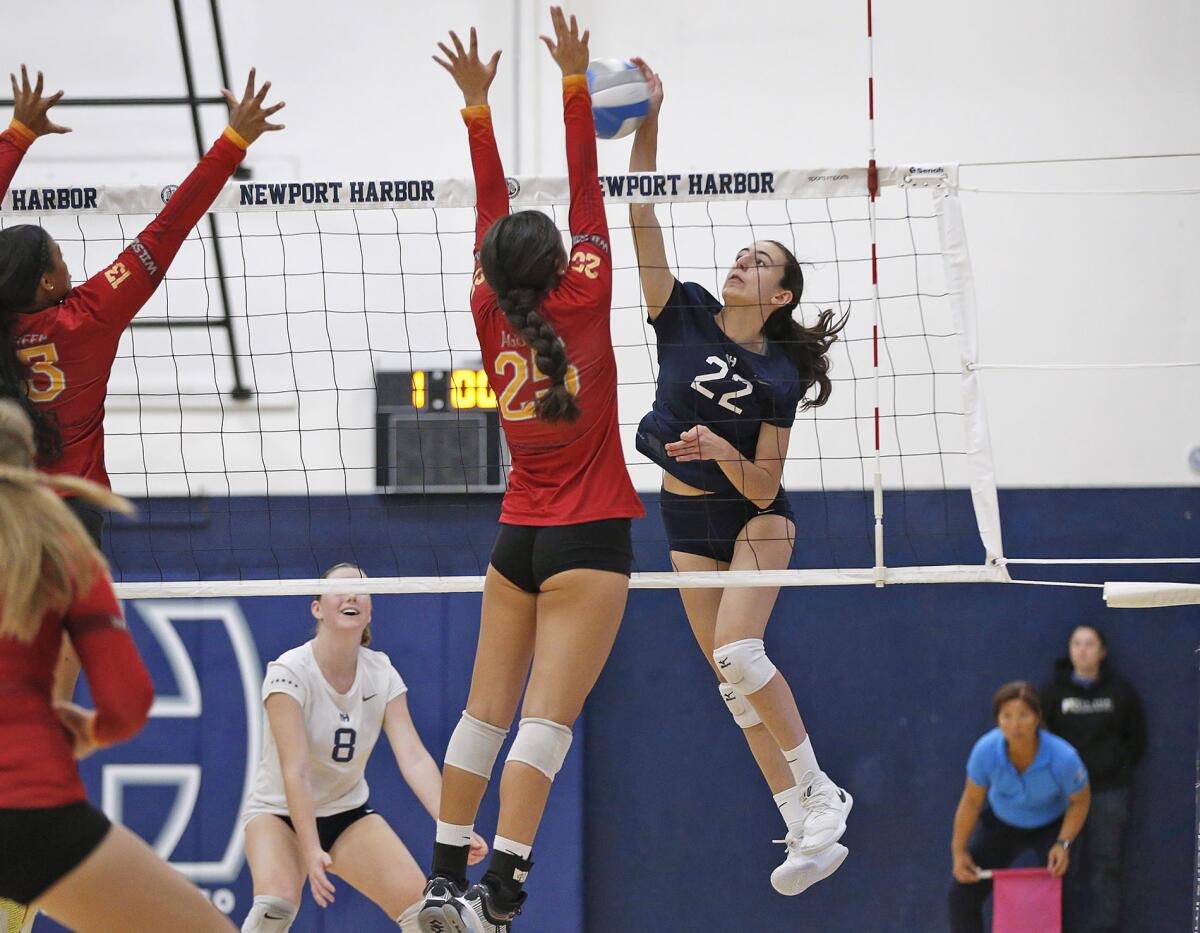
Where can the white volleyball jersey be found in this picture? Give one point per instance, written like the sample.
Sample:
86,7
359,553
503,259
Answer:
342,730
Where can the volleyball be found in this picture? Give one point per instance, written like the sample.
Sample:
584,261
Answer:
620,97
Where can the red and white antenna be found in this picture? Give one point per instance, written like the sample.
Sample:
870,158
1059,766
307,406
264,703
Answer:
872,191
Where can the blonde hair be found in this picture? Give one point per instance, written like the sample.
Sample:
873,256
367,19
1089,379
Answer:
46,553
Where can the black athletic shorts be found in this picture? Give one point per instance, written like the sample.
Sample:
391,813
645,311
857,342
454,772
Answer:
92,516
329,828
709,525
529,555
39,847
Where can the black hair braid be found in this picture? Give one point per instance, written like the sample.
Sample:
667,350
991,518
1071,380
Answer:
522,257
520,306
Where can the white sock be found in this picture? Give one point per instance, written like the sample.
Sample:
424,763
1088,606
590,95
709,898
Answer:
802,760
519,849
407,921
791,810
449,834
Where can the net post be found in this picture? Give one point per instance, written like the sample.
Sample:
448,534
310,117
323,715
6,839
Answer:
872,193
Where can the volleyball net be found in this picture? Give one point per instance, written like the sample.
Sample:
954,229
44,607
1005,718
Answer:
306,386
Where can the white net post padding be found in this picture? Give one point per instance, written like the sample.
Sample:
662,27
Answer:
960,286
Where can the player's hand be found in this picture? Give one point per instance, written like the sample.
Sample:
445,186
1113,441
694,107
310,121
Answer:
472,76
248,117
318,862
653,85
1058,861
965,869
479,850
77,723
30,108
700,443
567,48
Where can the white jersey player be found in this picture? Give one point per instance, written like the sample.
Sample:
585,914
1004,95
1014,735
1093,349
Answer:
326,703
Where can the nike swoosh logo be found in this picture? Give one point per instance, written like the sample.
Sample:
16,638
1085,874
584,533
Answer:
272,917
371,697
842,795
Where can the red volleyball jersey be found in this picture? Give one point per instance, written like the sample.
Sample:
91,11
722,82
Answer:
564,473
69,348
37,766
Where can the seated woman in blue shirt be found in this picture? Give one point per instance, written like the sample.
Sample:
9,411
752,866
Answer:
1037,791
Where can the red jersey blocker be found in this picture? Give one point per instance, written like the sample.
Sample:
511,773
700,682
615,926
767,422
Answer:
37,764
70,347
570,472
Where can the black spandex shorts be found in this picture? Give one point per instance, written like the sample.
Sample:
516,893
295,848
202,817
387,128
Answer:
709,525
529,555
39,847
92,516
330,827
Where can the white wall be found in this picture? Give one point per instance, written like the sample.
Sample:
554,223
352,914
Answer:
1060,278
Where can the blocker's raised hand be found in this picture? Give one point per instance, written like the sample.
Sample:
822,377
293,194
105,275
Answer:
472,76
571,49
247,116
30,108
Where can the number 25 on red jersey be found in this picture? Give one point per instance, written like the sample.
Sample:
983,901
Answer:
47,380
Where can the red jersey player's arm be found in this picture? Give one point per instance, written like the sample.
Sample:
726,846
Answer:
121,686
491,188
588,221
113,297
588,282
14,143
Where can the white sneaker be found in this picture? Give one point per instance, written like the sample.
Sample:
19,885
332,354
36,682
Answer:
445,910
799,872
826,807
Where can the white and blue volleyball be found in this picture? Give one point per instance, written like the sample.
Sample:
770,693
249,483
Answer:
620,97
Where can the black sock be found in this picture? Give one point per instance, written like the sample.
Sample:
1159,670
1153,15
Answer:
451,862
505,877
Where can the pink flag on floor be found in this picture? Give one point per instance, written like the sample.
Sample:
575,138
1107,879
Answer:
1026,900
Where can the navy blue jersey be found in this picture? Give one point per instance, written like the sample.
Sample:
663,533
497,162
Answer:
706,378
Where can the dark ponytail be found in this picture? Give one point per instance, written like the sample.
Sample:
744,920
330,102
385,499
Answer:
806,347
522,257
24,259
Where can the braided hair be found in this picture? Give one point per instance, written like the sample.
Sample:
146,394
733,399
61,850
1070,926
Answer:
522,257
24,259
806,347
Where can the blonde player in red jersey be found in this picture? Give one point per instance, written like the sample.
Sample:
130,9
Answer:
58,852
559,572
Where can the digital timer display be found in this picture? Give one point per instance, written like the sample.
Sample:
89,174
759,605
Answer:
438,390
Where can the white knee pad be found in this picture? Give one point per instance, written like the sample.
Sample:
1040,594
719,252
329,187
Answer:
270,915
745,665
740,708
474,746
541,744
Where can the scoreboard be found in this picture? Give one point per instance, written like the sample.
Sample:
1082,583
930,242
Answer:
438,431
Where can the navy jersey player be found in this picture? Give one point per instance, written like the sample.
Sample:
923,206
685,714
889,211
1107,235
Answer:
732,371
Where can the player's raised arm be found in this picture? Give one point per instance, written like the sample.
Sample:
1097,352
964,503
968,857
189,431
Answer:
569,50
657,280
117,293
473,77
29,121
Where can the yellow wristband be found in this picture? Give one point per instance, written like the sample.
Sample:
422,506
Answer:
476,110
21,128
572,81
235,137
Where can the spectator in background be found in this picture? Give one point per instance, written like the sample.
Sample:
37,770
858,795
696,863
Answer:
1098,712
1037,792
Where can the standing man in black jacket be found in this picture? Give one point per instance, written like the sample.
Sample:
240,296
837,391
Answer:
1099,712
